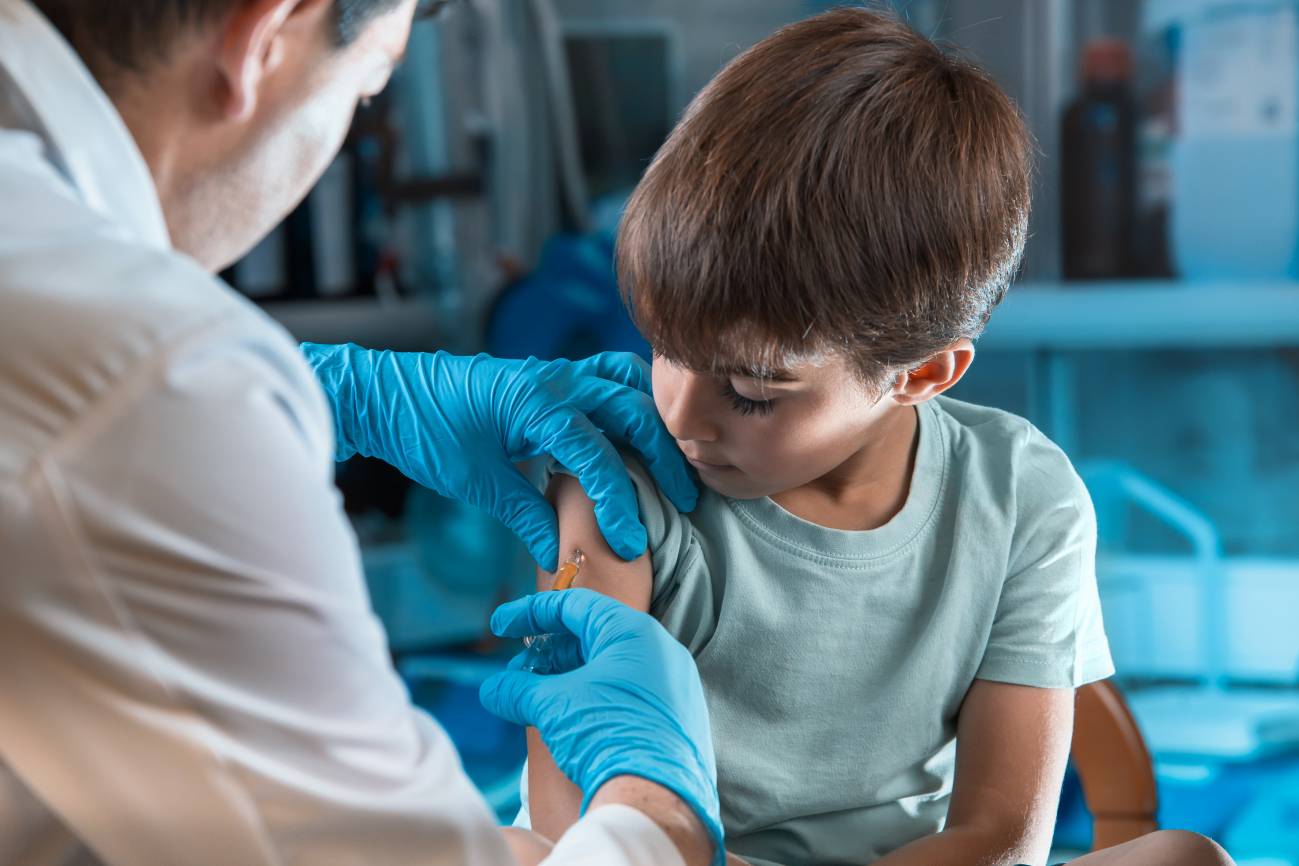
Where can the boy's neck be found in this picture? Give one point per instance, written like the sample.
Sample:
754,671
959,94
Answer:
868,489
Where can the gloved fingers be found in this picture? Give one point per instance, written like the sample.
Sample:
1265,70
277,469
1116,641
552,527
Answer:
624,368
518,618
630,418
564,654
594,619
514,696
571,438
560,654
524,511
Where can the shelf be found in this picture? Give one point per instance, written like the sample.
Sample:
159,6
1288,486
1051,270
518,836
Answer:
406,324
1034,317
1150,314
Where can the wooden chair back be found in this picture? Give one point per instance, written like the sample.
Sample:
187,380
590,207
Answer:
1114,766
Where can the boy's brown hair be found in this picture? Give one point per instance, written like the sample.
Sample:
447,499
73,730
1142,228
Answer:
844,185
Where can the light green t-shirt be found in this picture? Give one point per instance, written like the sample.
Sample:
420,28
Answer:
835,662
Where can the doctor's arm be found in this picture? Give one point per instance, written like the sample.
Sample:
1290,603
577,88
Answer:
1012,745
203,681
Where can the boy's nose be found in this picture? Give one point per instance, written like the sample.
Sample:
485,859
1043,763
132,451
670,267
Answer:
687,416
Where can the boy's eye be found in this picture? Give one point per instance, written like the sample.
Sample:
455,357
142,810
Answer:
745,405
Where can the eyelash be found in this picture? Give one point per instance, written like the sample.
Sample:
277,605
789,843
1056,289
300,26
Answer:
744,405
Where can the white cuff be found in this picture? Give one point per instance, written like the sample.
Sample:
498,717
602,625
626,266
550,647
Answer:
615,835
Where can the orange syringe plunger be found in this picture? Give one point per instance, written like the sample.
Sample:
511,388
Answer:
569,570
537,644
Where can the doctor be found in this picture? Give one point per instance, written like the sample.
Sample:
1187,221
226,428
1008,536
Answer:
189,670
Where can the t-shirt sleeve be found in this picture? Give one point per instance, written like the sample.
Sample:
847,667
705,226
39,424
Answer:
1047,631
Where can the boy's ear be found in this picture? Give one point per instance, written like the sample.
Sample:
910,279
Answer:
936,375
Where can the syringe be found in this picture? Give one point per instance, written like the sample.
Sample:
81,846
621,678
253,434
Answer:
538,645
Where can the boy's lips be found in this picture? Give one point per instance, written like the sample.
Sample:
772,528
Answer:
703,464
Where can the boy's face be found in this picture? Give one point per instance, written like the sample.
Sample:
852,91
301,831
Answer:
750,438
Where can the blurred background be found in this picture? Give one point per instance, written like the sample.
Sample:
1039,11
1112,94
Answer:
1152,333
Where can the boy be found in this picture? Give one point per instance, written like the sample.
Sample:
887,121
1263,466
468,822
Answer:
890,594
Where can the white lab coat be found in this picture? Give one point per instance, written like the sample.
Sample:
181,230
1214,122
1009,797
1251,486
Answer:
190,673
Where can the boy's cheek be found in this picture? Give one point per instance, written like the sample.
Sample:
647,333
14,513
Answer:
764,475
769,471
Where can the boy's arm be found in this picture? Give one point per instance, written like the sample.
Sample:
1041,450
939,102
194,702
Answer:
554,801
1012,745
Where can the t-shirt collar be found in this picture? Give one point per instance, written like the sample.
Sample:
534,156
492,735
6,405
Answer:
856,548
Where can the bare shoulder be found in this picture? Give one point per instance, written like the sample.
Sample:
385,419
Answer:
603,570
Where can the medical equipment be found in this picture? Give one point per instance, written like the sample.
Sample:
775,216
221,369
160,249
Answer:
538,646
1098,158
1235,181
1216,720
569,570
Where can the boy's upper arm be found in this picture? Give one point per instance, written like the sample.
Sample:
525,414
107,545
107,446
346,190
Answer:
604,571
1011,748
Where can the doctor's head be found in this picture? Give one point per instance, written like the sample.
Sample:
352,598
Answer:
237,105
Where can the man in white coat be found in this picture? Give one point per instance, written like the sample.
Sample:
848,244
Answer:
189,670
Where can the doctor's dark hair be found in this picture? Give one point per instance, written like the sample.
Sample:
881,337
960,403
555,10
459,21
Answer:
116,38
845,186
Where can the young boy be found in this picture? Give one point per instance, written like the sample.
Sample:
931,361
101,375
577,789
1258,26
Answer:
890,594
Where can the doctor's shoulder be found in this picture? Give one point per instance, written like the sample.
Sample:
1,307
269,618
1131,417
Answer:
93,316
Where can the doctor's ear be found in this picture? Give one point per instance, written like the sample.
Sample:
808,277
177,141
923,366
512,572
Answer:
934,376
254,41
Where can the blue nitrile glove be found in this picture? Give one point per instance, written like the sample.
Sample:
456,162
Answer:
457,424
634,708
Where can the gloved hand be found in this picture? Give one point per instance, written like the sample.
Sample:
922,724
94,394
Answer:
457,424
634,708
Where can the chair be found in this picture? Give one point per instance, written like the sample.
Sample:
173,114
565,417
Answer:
1114,767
